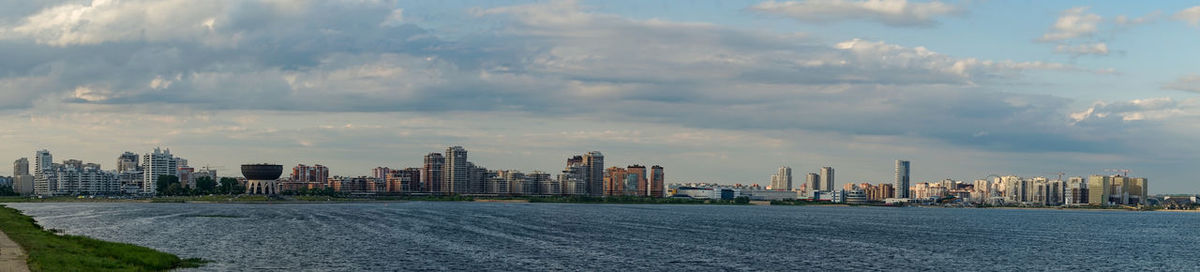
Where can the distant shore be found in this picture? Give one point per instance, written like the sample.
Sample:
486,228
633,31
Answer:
259,199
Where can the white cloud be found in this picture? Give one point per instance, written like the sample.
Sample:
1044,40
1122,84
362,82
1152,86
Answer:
1190,15
889,12
1190,83
1073,23
1083,49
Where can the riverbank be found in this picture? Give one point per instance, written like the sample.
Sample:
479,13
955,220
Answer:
48,250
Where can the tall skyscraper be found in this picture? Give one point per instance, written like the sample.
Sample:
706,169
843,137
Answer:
155,164
902,178
827,178
127,161
656,181
593,163
573,180
454,173
782,180
43,162
1099,188
431,176
21,167
814,180
638,175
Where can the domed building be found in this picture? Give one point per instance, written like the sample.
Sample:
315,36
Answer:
262,179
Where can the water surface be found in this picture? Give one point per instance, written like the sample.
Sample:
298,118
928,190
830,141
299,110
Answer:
521,236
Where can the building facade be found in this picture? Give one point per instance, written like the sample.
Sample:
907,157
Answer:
902,179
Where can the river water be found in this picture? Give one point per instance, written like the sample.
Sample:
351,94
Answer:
463,236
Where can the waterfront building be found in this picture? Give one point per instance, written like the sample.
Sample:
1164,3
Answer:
656,178
355,185
593,163
637,185
573,180
262,178
403,180
43,180
155,164
431,175
902,178
22,181
815,181
1099,188
381,172
21,167
477,178
827,178
455,172
782,180
1076,192
128,161
616,182
310,174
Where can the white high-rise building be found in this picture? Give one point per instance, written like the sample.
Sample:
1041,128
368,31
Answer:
158,163
782,179
455,171
43,180
827,178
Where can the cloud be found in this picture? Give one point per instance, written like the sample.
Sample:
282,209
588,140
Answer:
1109,115
1189,83
285,79
1190,15
1073,23
888,12
1099,48
1123,20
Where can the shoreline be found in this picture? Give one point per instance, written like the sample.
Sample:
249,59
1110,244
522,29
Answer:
49,250
263,200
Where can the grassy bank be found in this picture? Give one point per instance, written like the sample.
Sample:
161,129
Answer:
49,251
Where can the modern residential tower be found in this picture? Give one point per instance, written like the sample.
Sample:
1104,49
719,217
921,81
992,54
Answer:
902,178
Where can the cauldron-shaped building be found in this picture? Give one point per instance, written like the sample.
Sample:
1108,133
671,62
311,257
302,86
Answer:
262,178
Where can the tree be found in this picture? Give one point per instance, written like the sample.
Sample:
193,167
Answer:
205,185
230,186
742,200
165,181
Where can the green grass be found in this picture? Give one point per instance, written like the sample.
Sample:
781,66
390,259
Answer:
48,251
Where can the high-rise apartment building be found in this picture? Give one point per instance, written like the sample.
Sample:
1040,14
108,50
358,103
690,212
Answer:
21,167
22,182
155,164
127,161
641,187
43,161
381,172
1099,188
431,175
318,174
814,180
902,179
617,182
656,177
573,180
593,163
782,179
455,172
827,178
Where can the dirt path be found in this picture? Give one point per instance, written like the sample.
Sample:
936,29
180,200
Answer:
12,257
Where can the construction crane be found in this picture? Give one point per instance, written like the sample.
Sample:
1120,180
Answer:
1124,171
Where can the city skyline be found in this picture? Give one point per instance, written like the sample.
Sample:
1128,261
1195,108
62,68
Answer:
162,157
717,92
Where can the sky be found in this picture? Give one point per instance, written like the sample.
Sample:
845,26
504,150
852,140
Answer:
714,91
